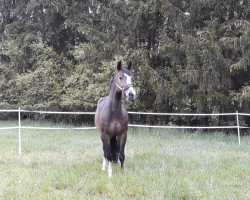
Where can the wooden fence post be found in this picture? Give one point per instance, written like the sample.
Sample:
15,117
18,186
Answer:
238,126
19,132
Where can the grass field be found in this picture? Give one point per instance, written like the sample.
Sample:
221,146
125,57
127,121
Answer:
160,164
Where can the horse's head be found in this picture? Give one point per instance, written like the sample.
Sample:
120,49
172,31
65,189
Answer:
123,81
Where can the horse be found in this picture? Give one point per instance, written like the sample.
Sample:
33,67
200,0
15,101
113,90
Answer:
111,117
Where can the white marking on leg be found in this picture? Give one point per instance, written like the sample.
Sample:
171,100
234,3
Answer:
104,163
110,169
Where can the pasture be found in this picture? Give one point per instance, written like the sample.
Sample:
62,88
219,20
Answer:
160,164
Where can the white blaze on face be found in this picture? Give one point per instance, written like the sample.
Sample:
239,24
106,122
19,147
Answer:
130,89
129,79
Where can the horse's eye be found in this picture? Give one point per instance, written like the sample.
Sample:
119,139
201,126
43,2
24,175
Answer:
120,77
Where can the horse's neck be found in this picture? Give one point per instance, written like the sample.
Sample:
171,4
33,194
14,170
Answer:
115,98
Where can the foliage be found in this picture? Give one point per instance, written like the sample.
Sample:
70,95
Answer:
188,55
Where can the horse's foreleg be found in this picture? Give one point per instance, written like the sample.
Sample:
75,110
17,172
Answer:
104,163
110,169
122,143
107,154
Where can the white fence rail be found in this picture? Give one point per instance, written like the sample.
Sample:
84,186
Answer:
19,127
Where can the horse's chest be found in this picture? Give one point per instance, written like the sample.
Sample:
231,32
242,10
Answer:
117,126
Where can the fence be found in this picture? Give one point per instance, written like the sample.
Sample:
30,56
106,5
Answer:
19,127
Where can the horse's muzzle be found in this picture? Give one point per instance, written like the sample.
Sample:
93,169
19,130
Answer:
131,96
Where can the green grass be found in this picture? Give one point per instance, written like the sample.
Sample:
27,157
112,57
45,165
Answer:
160,164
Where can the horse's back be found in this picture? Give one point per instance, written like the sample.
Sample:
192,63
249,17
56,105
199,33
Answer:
98,112
101,100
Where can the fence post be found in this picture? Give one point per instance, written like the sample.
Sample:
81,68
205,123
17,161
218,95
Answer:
19,132
238,126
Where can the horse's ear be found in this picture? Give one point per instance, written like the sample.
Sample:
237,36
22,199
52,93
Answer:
119,65
129,65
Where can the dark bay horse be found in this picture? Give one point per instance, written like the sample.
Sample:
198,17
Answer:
111,117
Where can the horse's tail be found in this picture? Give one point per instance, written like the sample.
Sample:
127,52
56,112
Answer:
114,149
